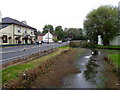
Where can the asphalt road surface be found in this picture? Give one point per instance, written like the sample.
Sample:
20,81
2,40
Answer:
12,53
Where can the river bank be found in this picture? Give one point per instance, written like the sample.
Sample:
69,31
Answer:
61,68
72,68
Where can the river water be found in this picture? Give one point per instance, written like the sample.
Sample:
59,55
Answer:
90,65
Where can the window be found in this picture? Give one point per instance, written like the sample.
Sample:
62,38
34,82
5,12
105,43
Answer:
25,31
4,38
31,32
19,30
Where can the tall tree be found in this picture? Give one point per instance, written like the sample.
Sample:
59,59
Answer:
59,32
102,21
47,27
74,33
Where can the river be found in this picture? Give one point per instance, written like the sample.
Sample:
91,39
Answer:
90,65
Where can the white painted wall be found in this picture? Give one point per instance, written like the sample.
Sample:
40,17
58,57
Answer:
7,31
48,37
115,41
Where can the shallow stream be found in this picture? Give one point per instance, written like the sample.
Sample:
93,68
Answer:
90,67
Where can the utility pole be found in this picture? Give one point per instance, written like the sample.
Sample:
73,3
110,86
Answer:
48,35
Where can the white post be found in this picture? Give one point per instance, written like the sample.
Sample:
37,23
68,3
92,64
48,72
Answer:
100,40
39,49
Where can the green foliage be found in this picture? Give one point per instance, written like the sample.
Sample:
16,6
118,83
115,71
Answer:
83,44
47,27
74,44
87,45
12,72
74,33
55,40
112,46
102,21
115,59
59,32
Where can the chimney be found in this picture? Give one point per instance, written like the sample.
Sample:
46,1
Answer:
24,22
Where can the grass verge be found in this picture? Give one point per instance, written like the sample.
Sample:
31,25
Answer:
115,59
12,72
114,46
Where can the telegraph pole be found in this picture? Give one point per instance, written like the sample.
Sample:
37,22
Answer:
48,35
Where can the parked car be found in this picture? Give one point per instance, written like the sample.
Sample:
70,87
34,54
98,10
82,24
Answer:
38,42
59,42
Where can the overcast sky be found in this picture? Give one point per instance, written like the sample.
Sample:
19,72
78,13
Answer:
37,13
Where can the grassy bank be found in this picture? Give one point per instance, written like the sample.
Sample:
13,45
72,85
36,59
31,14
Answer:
109,47
12,72
115,59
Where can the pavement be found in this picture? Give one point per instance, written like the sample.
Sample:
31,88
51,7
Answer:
12,53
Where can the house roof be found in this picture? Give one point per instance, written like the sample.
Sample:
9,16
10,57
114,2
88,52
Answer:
42,34
8,21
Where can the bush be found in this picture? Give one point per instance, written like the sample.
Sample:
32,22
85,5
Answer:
55,40
83,44
87,45
74,44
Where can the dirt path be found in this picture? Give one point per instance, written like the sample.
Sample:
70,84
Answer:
61,67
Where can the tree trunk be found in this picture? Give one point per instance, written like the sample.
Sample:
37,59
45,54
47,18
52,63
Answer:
106,42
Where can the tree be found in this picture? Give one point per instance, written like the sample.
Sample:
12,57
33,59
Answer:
47,27
59,32
74,33
102,21
38,32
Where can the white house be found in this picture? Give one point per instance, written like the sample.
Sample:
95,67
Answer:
15,32
114,41
48,37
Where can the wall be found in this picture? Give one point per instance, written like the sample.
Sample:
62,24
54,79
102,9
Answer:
115,41
9,32
40,38
12,31
46,36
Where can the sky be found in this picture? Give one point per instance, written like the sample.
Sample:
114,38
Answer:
37,13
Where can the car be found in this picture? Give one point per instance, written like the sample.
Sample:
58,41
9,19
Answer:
59,42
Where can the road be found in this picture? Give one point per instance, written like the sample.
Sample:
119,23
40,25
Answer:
11,53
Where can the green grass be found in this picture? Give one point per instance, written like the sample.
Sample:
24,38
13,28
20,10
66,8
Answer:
109,51
13,71
115,58
101,46
64,47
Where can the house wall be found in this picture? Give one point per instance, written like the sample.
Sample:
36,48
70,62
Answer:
40,38
24,31
9,32
115,41
12,31
46,36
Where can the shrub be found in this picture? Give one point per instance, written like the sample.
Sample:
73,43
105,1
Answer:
74,44
87,45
